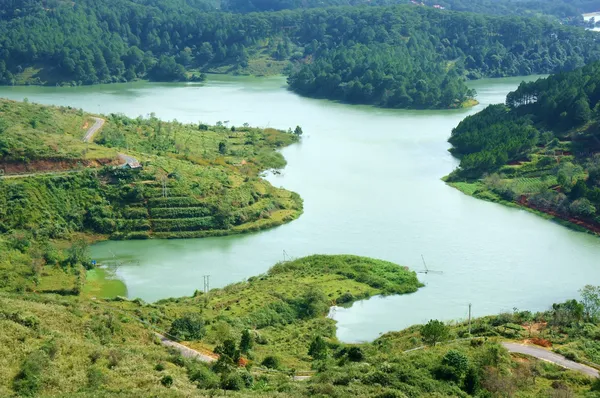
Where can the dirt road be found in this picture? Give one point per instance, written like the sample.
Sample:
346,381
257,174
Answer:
185,351
98,123
549,356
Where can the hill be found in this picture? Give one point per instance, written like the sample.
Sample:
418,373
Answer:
390,56
540,150
193,180
274,326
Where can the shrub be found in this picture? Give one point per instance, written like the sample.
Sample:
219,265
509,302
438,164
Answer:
159,367
189,327
355,354
454,366
28,380
345,298
271,362
246,341
166,381
232,381
318,348
204,377
95,377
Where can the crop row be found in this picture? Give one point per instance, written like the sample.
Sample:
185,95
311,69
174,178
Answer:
183,224
179,212
183,201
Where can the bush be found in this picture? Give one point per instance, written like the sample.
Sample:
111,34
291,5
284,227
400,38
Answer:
28,380
166,381
204,377
95,377
232,381
355,354
345,298
189,327
318,348
271,362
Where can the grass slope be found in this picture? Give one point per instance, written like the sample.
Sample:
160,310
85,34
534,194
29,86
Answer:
196,180
70,346
271,303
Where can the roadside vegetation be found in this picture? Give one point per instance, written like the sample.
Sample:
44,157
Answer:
540,150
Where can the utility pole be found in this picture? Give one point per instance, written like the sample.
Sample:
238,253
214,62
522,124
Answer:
206,280
164,186
469,318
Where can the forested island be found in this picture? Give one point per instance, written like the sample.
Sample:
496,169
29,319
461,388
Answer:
540,150
391,56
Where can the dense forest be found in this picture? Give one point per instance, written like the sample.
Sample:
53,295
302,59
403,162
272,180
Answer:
396,56
542,148
568,11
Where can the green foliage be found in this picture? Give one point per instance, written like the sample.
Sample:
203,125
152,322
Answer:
434,332
455,365
79,253
271,362
590,299
313,303
539,150
189,327
166,381
29,380
318,348
246,341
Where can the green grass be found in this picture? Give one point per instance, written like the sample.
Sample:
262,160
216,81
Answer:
102,282
214,168
78,347
31,132
247,304
86,351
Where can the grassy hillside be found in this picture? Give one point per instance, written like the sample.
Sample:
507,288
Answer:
52,346
274,326
196,180
286,306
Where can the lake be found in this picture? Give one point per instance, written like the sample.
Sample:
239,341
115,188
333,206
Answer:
370,179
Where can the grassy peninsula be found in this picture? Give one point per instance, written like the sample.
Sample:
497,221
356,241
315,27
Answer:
273,326
539,151
187,180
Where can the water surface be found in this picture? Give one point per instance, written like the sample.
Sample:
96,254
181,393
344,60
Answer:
370,179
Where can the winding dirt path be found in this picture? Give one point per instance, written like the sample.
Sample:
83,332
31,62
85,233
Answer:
549,356
98,123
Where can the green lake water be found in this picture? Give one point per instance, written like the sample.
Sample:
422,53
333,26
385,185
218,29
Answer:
370,179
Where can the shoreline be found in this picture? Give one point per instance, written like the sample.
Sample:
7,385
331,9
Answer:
582,226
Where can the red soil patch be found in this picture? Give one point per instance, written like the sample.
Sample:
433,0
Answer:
589,225
541,342
50,165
